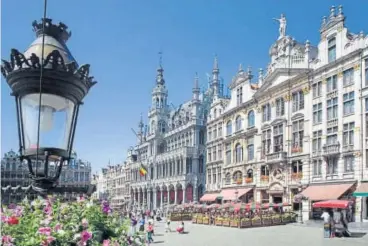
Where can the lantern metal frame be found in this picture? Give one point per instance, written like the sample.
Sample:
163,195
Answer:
67,80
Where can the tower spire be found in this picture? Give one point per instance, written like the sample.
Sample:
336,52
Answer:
215,84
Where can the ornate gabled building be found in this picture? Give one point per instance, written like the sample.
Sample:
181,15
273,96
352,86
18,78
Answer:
301,127
16,184
172,147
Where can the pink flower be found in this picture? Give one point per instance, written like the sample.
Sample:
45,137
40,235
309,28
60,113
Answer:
47,241
84,223
7,240
4,218
57,227
85,236
106,243
45,230
47,209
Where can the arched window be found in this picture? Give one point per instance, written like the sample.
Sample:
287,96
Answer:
238,177
201,137
251,120
162,126
238,153
227,179
238,123
250,173
229,129
157,102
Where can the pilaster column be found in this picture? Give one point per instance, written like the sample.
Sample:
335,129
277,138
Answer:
149,199
154,199
162,199
195,193
139,198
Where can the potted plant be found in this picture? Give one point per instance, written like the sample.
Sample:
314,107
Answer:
218,221
256,221
266,220
226,222
206,220
245,222
276,219
248,180
200,219
194,218
234,222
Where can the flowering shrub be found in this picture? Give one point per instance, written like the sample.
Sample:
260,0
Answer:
51,222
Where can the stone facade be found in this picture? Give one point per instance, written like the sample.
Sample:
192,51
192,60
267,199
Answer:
302,123
172,147
14,174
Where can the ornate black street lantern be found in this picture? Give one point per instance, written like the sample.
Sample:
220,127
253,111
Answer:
48,86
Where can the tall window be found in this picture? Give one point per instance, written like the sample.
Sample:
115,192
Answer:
366,72
219,152
209,181
250,149
348,134
238,153
227,179
278,132
332,108
251,120
209,154
266,112
239,96
317,113
332,83
228,153
317,89
298,133
229,128
214,176
317,167
348,99
332,135
349,163
298,101
332,166
214,153
162,126
220,129
266,142
348,77
209,134
214,132
219,174
214,113
201,137
265,171
280,106
331,49
317,141
238,177
238,123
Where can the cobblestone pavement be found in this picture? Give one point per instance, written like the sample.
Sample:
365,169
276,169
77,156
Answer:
204,235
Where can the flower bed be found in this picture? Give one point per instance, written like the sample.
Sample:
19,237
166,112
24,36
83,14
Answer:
50,222
200,219
194,218
206,220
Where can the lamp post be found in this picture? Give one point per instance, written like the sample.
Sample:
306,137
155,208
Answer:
48,86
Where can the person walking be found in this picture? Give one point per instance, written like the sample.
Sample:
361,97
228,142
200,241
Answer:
167,226
133,224
141,223
326,223
149,233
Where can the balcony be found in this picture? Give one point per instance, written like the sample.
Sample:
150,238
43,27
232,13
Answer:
331,149
348,148
276,157
296,150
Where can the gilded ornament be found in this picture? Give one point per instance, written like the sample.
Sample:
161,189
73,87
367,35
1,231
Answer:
357,154
287,97
324,81
339,29
357,129
356,67
340,75
306,90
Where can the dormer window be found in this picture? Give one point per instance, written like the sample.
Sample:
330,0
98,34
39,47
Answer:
239,96
331,49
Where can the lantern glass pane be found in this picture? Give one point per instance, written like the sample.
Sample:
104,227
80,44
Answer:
55,121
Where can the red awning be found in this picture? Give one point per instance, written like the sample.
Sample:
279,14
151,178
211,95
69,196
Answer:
230,194
210,197
325,192
332,204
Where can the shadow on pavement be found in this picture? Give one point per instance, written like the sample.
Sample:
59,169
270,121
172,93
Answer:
158,235
156,242
357,234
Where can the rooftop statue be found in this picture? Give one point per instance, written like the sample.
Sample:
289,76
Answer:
282,28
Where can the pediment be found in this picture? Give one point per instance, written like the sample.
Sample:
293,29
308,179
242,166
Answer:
278,121
297,116
265,126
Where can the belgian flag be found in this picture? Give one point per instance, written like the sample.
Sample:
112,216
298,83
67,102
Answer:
142,171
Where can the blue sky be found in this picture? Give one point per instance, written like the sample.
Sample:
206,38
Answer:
121,40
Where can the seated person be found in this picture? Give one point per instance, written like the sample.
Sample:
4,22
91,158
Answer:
180,228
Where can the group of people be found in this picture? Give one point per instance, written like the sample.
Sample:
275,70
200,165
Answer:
149,228
335,223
